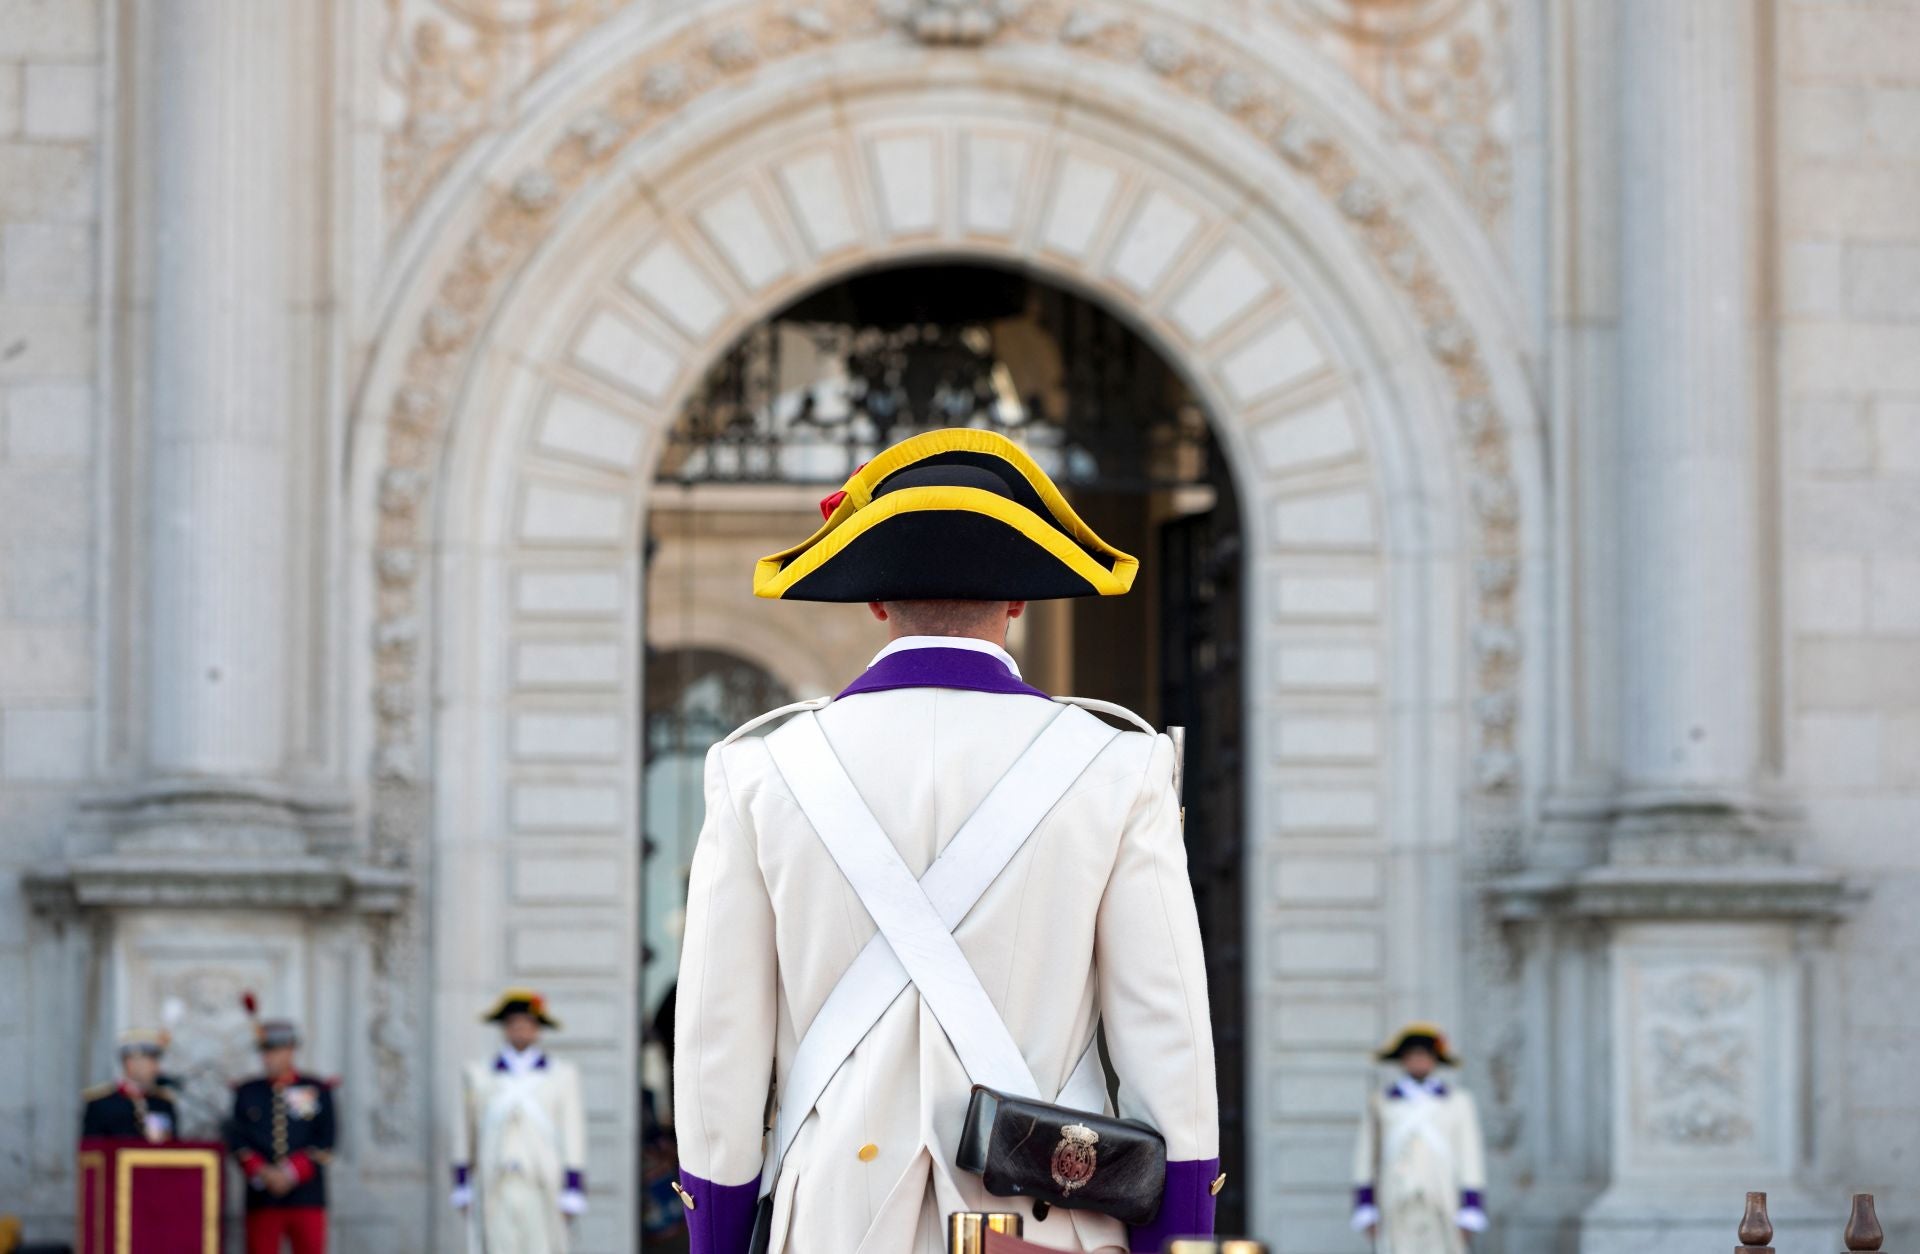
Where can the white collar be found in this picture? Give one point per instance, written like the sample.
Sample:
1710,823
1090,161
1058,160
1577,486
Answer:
520,1061
1432,1086
948,642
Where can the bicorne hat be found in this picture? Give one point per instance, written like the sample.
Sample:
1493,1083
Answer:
520,1001
1423,1035
958,514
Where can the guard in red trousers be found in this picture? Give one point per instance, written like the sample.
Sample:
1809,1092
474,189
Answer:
282,1135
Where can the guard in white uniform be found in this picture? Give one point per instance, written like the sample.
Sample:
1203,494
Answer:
1419,1166
1084,917
520,1143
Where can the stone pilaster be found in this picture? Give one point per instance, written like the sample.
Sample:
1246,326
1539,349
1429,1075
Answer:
1690,532
220,420
1677,935
1712,937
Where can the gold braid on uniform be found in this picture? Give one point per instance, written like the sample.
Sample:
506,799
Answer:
279,1126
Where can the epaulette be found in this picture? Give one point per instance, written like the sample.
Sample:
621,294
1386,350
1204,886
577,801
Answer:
171,1094
98,1091
1111,710
812,703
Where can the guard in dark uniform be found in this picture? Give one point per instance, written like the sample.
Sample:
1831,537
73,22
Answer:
282,1134
136,1106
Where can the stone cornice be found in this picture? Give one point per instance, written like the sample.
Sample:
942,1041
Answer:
184,881
1772,891
217,813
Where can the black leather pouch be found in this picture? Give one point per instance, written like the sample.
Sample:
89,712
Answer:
1066,1158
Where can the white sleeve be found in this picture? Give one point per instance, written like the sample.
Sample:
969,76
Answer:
1153,977
727,999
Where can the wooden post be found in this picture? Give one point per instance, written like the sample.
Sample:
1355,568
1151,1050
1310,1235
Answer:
1863,1226
1756,1229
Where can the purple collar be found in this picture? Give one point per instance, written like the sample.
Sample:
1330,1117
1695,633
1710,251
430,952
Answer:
1400,1090
941,668
500,1062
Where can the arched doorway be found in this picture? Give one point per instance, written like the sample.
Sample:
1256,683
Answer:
809,393
1360,388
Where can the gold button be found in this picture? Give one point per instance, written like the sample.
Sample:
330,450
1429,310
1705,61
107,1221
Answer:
686,1198
1219,1183
869,1152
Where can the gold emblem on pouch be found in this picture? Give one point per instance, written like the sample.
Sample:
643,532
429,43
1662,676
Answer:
1075,1158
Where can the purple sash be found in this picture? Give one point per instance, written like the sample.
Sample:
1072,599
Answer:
941,668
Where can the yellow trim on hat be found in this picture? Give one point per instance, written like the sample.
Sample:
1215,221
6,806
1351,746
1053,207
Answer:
532,996
767,581
1443,1049
772,579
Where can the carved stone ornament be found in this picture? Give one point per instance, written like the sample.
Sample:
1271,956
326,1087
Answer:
1698,1041
211,1046
1444,68
962,22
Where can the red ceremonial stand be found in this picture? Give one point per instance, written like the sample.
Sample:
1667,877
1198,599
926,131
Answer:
139,1198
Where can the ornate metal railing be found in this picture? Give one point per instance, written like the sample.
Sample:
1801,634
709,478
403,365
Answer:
806,396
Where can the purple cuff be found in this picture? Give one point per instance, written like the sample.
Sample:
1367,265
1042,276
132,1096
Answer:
576,1182
1470,1199
1186,1208
460,1175
1362,1196
720,1220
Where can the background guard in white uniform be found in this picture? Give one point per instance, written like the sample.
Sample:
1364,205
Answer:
1419,1166
520,1140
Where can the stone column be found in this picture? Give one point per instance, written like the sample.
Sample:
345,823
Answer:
1690,529
219,485
1712,938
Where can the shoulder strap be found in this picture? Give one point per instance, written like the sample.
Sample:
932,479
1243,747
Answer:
811,703
972,860
900,908
1112,710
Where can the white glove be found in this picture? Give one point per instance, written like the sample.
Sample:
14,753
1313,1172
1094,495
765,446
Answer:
1471,1218
573,1202
1365,1217
462,1196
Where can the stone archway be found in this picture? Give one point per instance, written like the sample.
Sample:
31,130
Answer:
507,484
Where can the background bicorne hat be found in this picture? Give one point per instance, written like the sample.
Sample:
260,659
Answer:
1429,1036
520,1001
957,514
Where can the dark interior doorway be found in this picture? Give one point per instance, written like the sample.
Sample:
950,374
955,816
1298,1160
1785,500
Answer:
807,395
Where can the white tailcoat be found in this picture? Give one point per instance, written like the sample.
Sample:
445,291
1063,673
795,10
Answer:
1093,917
522,1131
1420,1152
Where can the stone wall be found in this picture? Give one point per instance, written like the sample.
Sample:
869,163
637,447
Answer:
1358,876
1848,144
51,110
